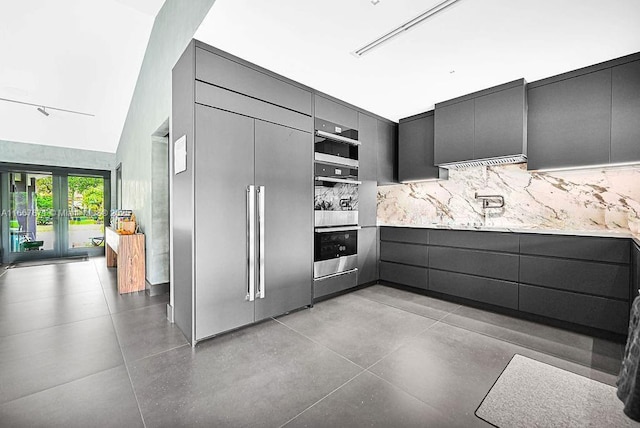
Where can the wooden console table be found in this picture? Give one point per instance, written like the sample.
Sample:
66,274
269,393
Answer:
126,252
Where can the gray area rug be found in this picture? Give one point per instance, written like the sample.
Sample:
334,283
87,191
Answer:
529,393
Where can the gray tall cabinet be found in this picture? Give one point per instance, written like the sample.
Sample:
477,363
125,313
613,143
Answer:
243,209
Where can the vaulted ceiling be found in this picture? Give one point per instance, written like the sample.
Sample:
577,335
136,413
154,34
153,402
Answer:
75,55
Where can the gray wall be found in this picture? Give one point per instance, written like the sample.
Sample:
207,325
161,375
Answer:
38,154
174,26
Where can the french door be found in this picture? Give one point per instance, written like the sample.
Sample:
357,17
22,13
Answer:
53,213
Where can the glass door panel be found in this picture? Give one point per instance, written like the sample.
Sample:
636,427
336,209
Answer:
85,209
31,221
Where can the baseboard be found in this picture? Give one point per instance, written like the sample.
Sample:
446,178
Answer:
157,289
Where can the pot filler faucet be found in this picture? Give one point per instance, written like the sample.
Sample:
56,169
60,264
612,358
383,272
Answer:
490,201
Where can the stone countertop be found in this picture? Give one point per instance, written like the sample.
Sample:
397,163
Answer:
594,233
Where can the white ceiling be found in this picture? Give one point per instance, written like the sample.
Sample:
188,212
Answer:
484,43
76,55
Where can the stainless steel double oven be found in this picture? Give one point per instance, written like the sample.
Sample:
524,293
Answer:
335,199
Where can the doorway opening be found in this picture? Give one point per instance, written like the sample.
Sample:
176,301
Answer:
52,212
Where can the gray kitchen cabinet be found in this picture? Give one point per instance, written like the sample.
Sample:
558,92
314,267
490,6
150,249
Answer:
226,71
475,262
287,208
601,249
387,153
244,200
591,311
251,155
602,279
327,286
476,240
486,290
415,148
569,121
368,150
404,234
412,276
400,252
367,255
486,124
625,112
500,123
221,243
578,279
367,203
453,132
335,112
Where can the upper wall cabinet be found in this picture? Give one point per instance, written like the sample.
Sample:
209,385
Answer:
226,71
387,153
483,125
570,122
332,111
625,112
586,117
415,148
454,132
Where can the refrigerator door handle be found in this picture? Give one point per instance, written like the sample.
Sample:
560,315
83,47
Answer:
251,242
261,232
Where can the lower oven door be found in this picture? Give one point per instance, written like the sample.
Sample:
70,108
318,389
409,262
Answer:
336,250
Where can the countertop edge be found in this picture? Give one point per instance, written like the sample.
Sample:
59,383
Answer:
589,233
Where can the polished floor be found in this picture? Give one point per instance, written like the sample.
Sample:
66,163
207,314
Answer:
74,353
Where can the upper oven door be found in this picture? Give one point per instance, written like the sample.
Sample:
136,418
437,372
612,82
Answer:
336,144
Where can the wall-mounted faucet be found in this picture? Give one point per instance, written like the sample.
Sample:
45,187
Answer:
491,201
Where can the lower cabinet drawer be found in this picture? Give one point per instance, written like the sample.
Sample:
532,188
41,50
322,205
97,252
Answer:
492,291
399,252
606,280
590,311
334,284
412,276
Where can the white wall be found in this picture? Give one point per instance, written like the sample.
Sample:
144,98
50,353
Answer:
174,26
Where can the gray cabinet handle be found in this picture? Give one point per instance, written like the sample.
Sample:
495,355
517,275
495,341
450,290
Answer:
338,138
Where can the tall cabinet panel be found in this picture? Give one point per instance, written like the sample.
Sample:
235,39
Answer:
368,150
367,255
415,148
221,244
387,153
288,216
625,113
569,121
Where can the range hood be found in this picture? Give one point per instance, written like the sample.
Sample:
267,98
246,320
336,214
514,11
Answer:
485,128
503,160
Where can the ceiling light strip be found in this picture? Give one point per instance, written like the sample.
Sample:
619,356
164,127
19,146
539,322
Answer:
404,27
46,107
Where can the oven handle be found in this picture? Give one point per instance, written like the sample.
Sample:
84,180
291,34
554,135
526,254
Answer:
338,138
333,275
336,229
338,180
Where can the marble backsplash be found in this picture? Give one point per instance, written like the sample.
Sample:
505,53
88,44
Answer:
336,197
588,199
